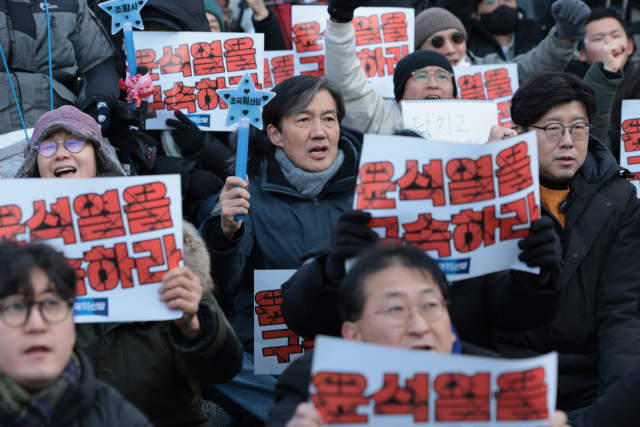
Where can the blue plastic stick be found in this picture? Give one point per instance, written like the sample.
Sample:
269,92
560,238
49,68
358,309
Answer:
131,50
46,8
242,152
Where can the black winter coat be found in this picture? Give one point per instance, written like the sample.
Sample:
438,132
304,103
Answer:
597,329
478,307
293,386
93,403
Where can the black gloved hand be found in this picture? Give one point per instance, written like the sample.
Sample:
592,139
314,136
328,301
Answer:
542,248
187,134
571,17
342,10
349,237
203,184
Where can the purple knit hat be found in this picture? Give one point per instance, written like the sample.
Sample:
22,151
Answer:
77,123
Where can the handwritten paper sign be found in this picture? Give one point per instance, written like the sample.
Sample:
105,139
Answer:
384,35
123,11
275,346
496,82
630,139
278,67
121,236
355,383
450,120
467,208
188,68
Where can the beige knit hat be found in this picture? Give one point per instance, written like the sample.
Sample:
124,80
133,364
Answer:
435,19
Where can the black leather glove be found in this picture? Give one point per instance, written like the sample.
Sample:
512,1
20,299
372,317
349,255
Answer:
542,248
203,184
342,10
187,134
349,237
571,17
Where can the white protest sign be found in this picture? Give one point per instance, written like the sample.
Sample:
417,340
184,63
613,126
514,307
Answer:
187,68
496,82
467,208
275,345
384,35
630,139
355,383
120,235
451,120
278,67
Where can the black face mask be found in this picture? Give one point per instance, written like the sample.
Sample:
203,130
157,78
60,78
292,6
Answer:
501,21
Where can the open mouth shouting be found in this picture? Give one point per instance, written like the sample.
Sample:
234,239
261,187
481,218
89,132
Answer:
319,152
64,172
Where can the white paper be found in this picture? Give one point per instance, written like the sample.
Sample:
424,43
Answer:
275,346
630,138
384,35
211,61
348,377
496,82
278,66
149,233
467,208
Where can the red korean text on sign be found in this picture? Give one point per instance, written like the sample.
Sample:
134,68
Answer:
422,186
10,227
504,114
471,87
147,57
307,36
282,68
428,234
156,102
506,224
472,228
390,224
631,139
367,30
462,398
45,225
373,62
240,54
76,264
338,397
471,180
319,59
514,173
208,98
180,96
100,216
413,399
284,352
376,182
268,310
394,27
178,62
147,208
522,396
207,58
498,83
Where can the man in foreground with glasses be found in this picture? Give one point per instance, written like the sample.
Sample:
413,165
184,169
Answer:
597,216
395,296
44,380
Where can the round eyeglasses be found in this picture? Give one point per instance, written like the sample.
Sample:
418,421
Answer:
15,312
423,76
398,314
48,148
555,131
438,41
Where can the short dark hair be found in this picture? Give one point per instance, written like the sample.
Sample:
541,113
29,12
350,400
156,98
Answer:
546,90
294,94
17,263
351,295
602,12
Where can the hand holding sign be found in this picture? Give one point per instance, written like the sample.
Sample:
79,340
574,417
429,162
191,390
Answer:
305,416
181,290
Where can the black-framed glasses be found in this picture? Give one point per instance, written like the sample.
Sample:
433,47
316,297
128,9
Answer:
555,131
423,76
398,314
15,312
48,147
438,41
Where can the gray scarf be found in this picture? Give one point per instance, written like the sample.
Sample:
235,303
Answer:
308,184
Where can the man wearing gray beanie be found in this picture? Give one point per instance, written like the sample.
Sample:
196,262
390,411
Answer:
440,30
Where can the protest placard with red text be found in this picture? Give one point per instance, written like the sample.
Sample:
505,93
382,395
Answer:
630,139
278,67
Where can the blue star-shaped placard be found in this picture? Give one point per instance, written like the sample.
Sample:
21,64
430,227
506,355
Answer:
245,101
122,11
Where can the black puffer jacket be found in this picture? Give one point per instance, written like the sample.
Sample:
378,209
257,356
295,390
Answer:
597,329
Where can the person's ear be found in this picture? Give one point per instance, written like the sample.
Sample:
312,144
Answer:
519,129
630,46
274,135
582,57
351,332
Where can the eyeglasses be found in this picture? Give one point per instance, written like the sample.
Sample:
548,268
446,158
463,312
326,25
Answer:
555,131
15,313
398,314
438,41
423,76
493,2
48,148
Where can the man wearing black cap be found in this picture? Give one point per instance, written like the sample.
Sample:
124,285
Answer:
423,74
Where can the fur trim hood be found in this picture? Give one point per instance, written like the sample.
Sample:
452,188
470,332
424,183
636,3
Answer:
196,256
